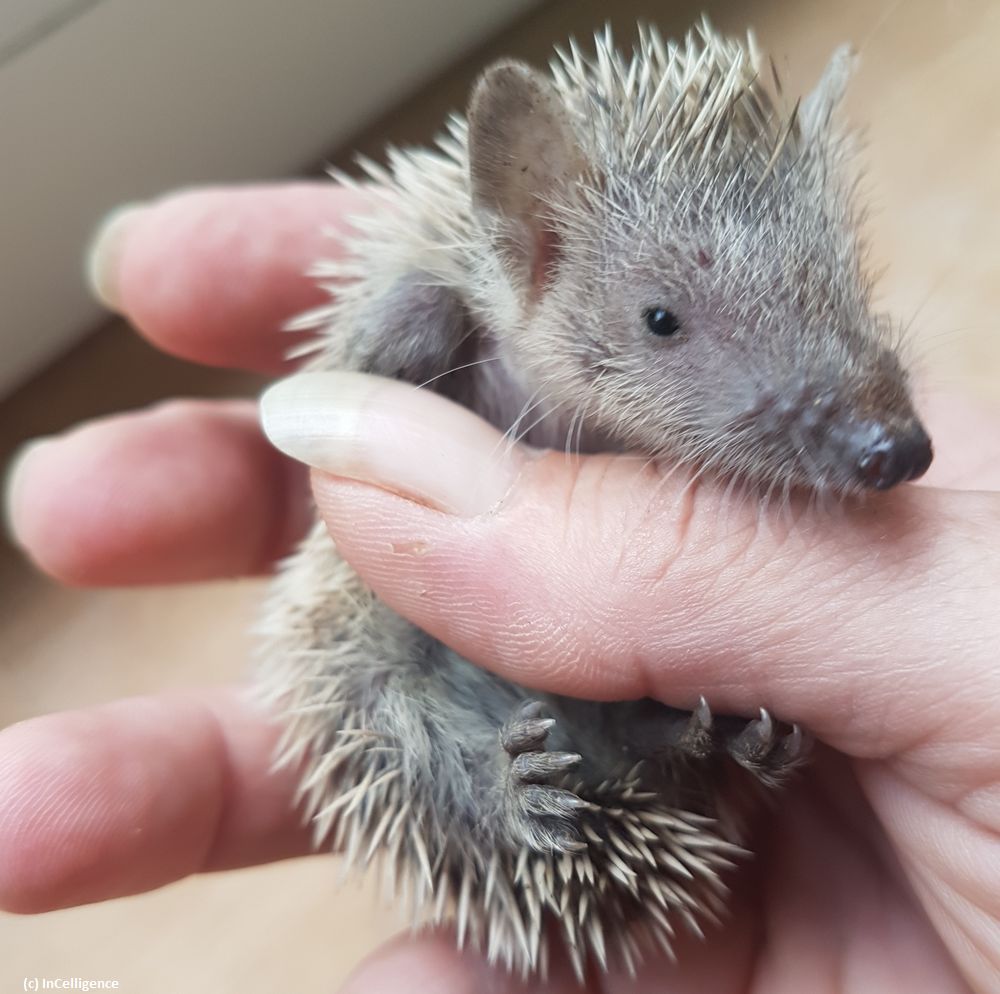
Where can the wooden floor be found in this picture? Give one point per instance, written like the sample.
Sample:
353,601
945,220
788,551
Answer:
926,94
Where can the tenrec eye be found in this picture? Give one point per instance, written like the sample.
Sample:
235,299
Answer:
662,322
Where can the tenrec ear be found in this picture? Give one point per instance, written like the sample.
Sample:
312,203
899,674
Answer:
816,108
523,152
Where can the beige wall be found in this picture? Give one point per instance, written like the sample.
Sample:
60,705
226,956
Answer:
131,97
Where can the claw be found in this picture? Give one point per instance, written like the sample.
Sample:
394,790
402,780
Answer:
795,746
563,760
552,801
793,743
765,727
525,735
767,754
697,738
536,767
702,714
751,746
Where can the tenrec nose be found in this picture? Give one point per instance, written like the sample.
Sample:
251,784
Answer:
886,457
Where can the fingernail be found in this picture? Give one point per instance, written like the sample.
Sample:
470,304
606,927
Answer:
13,485
104,254
392,435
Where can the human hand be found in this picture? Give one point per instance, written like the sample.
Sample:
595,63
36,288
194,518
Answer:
597,576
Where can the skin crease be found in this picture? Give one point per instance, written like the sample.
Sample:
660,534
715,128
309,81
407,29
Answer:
881,870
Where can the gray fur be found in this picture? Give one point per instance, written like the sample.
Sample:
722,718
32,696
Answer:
512,268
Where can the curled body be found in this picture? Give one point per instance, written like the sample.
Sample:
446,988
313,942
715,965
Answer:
647,253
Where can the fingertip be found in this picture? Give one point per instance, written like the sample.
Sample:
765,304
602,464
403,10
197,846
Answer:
56,497
84,810
181,491
103,257
128,796
15,491
32,514
22,879
213,274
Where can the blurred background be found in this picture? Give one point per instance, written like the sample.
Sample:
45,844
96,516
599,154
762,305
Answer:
109,101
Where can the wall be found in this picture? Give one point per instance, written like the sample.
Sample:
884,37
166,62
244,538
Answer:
104,101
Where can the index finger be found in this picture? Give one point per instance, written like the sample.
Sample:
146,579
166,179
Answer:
213,274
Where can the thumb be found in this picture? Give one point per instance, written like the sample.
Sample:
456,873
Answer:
609,578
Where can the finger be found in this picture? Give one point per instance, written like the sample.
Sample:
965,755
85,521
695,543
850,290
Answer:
132,795
602,578
431,962
213,274
188,490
